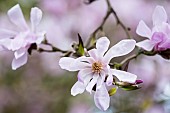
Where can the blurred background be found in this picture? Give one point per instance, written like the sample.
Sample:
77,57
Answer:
41,86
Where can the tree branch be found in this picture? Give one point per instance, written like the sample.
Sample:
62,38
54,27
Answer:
126,29
53,48
110,11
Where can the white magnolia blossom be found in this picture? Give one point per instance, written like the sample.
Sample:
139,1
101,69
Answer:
94,69
20,39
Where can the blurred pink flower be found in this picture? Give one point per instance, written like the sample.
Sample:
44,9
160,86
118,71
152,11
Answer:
75,17
19,40
144,67
159,35
152,70
93,69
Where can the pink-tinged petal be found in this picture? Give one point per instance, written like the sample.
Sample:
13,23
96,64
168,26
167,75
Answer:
146,45
16,16
87,79
109,80
121,48
100,80
6,43
102,45
83,73
67,62
36,16
143,30
4,33
165,45
159,15
93,53
92,83
19,53
40,37
78,88
158,37
72,64
101,98
17,42
124,76
89,60
16,63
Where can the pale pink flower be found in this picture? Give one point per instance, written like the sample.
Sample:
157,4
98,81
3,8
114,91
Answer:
21,39
94,69
159,35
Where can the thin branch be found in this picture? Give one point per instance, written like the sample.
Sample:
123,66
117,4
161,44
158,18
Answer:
51,51
100,27
53,48
110,11
141,51
126,29
129,58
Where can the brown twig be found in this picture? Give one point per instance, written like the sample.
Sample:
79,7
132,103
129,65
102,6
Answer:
119,22
53,48
110,11
140,51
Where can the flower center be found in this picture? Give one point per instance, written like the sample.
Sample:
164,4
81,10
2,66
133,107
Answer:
97,67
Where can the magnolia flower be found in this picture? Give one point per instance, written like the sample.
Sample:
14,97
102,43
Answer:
94,68
21,39
159,35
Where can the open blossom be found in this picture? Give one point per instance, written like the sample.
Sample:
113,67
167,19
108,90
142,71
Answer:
94,69
21,39
159,35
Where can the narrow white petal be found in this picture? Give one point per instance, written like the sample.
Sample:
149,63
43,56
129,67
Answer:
36,16
146,45
109,80
89,60
16,63
121,48
93,53
6,43
19,53
124,76
102,45
18,42
159,15
92,83
101,98
16,16
83,73
143,30
77,88
100,80
87,79
40,37
4,33
72,64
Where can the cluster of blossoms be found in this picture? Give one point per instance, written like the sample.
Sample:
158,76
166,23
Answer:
159,35
95,73
21,39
